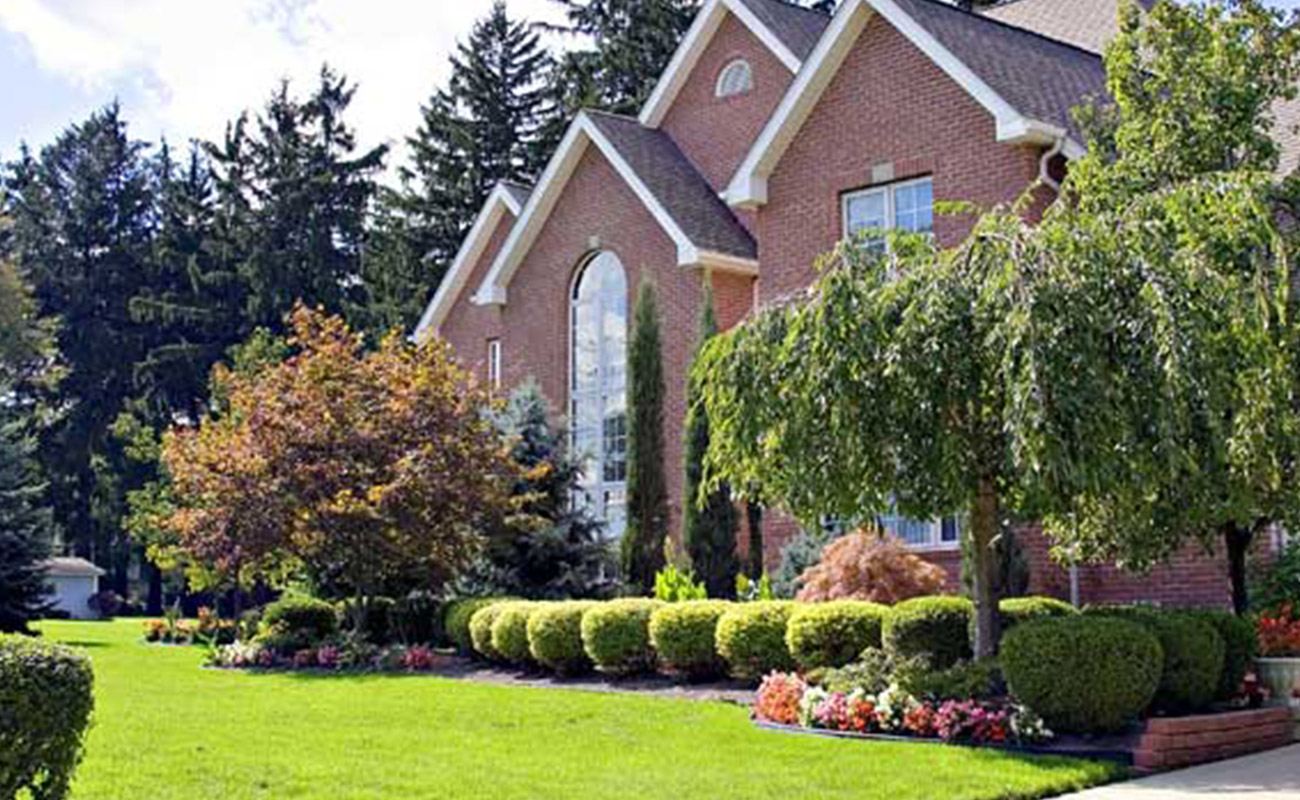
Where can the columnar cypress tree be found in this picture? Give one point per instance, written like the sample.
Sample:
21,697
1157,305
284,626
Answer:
647,491
754,520
709,530
26,527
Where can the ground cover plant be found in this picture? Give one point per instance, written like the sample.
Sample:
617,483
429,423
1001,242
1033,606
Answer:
372,736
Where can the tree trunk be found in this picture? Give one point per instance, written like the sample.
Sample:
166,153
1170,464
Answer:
754,519
1237,539
983,533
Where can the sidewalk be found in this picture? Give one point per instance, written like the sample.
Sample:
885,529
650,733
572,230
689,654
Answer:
1274,775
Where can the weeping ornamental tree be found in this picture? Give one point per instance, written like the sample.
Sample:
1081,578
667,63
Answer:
647,488
709,528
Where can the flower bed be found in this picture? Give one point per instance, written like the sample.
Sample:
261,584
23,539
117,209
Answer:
785,700
348,656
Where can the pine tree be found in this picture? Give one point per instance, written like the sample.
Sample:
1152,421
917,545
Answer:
647,492
82,224
484,127
709,530
631,44
293,200
394,272
26,527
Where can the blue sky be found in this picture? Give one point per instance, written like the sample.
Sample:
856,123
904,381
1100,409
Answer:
182,68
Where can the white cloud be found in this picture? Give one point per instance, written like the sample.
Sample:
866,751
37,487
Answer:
198,63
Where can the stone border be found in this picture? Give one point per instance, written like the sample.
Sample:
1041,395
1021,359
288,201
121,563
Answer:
1173,742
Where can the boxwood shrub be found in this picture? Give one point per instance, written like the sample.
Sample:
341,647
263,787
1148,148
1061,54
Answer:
934,628
616,635
1016,610
45,705
1239,648
1083,674
480,629
834,633
751,638
684,636
510,631
1193,655
555,636
295,622
456,617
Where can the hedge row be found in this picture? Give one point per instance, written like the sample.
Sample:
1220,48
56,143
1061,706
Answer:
706,638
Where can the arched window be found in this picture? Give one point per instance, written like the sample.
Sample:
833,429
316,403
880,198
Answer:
598,388
736,78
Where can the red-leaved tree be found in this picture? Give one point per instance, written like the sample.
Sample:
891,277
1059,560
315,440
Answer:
362,466
868,565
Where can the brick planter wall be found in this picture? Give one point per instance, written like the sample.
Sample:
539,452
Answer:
1185,741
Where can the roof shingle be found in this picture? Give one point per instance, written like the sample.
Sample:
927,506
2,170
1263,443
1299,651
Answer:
798,28
707,221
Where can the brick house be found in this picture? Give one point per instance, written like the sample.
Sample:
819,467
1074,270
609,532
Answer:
774,132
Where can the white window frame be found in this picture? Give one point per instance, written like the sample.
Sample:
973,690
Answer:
934,541
888,191
593,491
736,64
494,363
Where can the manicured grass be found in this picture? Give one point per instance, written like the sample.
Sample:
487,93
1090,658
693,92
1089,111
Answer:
167,730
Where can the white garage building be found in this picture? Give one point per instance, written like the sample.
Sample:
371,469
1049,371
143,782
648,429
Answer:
74,581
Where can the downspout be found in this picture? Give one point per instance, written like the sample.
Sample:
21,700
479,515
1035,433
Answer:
1044,174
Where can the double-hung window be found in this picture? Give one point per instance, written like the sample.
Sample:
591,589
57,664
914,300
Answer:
494,363
908,206
922,534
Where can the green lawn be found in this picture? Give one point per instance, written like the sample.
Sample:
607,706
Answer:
166,729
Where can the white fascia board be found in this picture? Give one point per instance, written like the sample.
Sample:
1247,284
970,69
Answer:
748,188
723,262
706,24
498,203
581,132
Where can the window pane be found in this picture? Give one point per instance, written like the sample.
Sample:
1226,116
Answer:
951,530
864,212
914,207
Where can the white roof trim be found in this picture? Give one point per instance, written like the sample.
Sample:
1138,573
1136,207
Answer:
582,132
748,187
697,39
471,249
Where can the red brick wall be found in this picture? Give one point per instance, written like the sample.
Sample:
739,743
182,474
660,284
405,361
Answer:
597,211
889,104
467,326
716,133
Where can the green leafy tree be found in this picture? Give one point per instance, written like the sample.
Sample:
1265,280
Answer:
485,126
647,489
709,527
1185,148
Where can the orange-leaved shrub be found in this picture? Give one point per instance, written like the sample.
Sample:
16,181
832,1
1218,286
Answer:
869,565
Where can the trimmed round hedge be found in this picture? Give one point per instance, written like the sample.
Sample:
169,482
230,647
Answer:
936,629
1240,646
1193,655
832,634
510,631
751,638
293,623
46,700
456,617
1016,610
480,629
1083,674
616,635
555,636
685,637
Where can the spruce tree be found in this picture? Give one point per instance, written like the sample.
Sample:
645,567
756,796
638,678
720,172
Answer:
709,529
647,492
26,526
485,126
631,42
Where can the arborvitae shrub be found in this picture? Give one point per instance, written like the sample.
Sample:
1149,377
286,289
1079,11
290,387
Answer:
684,636
1193,656
616,635
480,629
751,638
1016,610
934,628
833,634
456,618
45,705
555,636
294,623
510,631
1240,647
